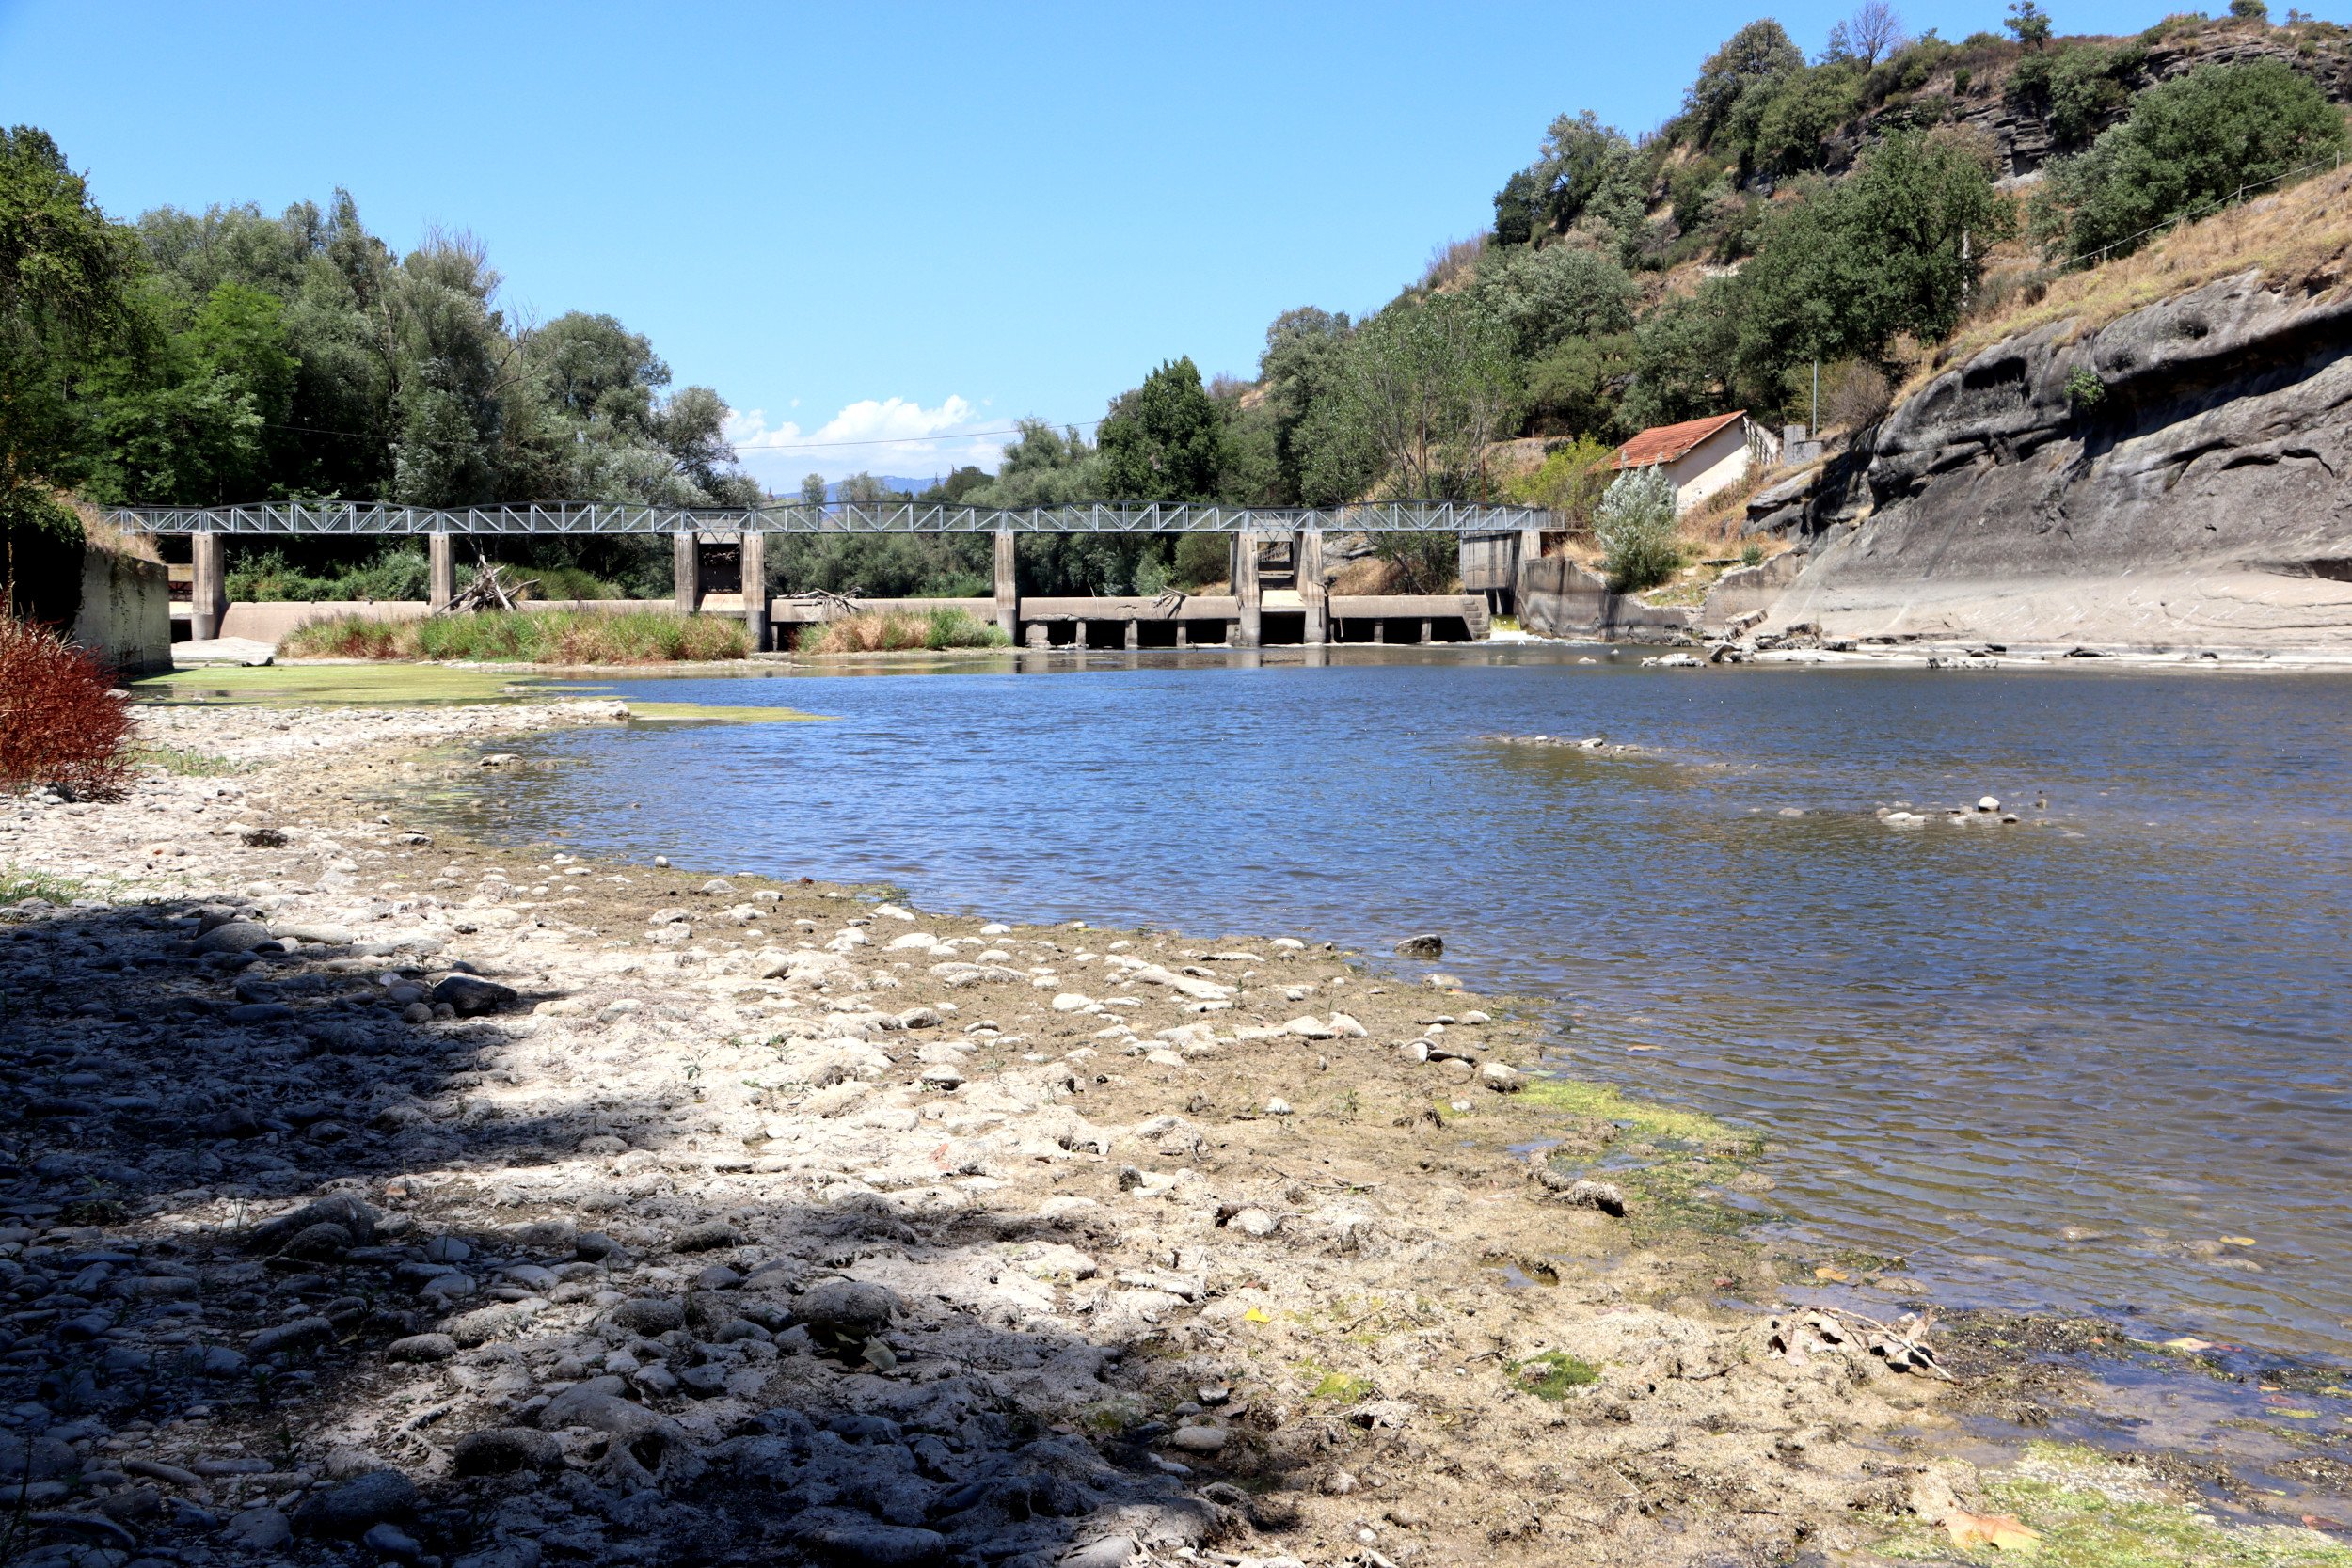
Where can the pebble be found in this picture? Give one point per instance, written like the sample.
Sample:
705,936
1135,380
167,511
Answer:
348,1509
1429,945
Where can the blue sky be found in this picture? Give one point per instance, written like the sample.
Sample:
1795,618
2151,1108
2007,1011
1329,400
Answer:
900,226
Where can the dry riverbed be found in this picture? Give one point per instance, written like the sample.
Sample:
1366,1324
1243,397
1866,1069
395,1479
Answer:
366,1195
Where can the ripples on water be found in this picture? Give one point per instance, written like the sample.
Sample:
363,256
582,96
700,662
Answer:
2054,1065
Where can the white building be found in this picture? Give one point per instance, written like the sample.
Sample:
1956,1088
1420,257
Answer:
1702,456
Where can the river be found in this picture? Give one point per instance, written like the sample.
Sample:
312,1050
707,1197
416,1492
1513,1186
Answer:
2095,1060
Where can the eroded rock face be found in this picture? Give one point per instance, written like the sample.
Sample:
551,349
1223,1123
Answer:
2194,487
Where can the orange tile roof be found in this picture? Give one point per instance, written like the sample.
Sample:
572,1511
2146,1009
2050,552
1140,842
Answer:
1664,443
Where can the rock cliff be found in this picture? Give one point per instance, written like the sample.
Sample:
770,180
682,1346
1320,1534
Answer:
2181,477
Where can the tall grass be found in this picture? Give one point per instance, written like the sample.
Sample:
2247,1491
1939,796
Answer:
526,637
875,631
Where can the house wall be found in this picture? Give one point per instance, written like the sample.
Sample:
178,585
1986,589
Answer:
1715,464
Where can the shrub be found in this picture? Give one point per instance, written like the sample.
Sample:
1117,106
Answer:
2191,145
1635,529
2084,390
528,637
875,631
60,723
1201,559
1424,561
1570,482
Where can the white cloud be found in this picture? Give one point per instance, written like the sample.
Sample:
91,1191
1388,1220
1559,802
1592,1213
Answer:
886,435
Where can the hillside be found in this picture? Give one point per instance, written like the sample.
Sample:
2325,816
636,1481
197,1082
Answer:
2155,454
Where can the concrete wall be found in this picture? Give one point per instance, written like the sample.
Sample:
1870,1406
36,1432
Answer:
126,611
1558,597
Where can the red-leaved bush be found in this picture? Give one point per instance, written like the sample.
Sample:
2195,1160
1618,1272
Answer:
60,721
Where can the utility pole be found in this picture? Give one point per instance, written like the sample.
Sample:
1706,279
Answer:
1815,428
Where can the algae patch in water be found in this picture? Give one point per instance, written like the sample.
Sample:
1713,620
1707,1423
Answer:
716,713
369,684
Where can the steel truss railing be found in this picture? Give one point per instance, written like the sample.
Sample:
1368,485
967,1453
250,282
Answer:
331,519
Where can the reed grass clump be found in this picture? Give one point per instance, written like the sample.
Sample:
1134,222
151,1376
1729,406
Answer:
526,637
875,632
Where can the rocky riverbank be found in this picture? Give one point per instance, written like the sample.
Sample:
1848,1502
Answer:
370,1194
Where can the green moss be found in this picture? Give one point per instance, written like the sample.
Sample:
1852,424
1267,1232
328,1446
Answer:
2093,1512
17,884
1345,1390
1658,1123
1553,1374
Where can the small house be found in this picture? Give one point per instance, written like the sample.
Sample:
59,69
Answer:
1702,456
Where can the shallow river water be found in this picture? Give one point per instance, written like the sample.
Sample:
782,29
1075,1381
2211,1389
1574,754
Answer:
2052,1065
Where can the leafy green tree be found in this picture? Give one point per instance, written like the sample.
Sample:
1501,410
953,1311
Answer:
1685,358
1634,527
1164,440
1756,55
1432,381
66,275
1544,297
1518,208
1590,173
1808,106
2192,145
1892,248
1301,370
2028,22
1575,388
813,489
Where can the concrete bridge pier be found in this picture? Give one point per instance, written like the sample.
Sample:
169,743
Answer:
755,589
1249,599
685,571
1307,554
1008,587
441,548
208,597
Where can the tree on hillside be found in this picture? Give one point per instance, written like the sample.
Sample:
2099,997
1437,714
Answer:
1518,207
1432,382
1590,175
1163,441
813,488
2028,22
1685,358
1545,296
1872,34
2191,145
1892,248
1756,55
1301,370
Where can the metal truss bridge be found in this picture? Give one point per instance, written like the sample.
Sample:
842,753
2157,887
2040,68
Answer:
356,518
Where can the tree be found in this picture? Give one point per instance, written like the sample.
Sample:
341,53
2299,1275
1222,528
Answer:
1163,440
1756,55
1685,358
1795,122
1518,207
1892,248
1634,527
65,284
1432,383
1872,34
2028,22
2191,145
813,488
2250,11
1544,298
1301,370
